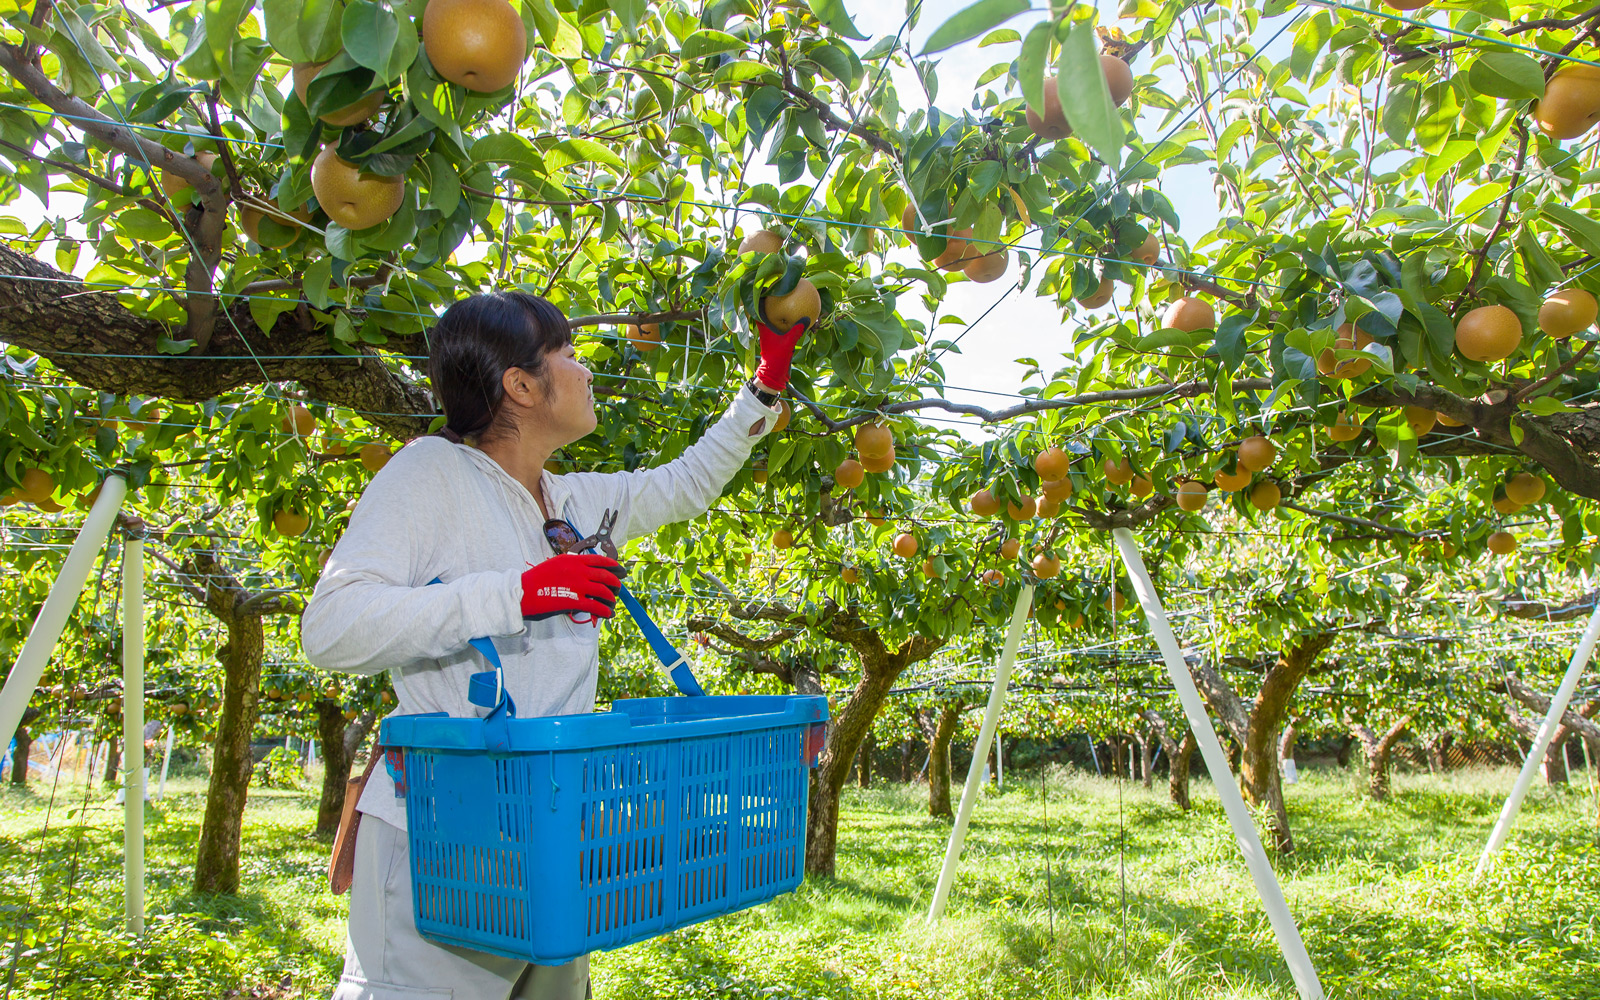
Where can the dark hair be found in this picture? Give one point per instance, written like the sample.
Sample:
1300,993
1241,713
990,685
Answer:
476,341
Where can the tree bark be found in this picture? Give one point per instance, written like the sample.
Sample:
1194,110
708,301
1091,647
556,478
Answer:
939,739
1180,752
864,761
19,757
1577,722
1378,751
1439,749
216,868
908,756
338,754
880,668
108,777
1147,748
1257,727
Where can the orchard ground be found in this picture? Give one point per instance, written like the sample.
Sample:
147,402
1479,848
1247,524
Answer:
1383,894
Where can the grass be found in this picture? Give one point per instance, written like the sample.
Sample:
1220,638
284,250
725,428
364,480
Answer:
1383,894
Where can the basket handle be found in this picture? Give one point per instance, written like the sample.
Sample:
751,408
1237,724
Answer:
487,689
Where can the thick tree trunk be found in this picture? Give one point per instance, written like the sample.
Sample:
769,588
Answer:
1257,728
1439,749
19,756
1147,753
1378,751
109,778
847,729
908,757
1579,721
1179,754
864,761
1343,755
939,762
336,760
216,868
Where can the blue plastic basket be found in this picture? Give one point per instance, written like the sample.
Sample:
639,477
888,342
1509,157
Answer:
548,838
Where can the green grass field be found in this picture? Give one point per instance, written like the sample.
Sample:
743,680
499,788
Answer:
1147,903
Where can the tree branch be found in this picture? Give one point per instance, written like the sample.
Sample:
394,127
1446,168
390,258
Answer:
1539,611
1540,703
73,168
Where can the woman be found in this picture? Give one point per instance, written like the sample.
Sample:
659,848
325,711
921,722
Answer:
471,509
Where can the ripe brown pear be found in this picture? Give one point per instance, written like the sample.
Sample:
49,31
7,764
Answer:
1345,427
1347,337
1421,419
783,538
1053,464
353,113
883,463
352,197
1230,482
984,504
1571,103
1056,489
645,337
1266,495
1022,510
250,222
1117,471
478,44
300,420
1010,548
1568,311
1100,296
785,414
36,485
1488,334
1189,314
1502,543
1050,122
374,457
1119,78
762,241
1256,453
1504,504
290,523
1046,567
905,545
1525,488
849,474
957,251
1048,509
874,441
1191,496
784,311
1141,487
988,267
1148,251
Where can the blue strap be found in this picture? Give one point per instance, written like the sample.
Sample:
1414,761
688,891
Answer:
672,662
487,689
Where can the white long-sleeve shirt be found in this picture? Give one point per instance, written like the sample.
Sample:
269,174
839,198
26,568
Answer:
449,511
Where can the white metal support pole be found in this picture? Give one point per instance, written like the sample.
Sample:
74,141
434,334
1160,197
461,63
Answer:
1244,828
991,722
133,780
1541,742
999,762
25,673
166,759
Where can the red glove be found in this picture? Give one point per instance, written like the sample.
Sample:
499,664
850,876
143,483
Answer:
572,583
777,352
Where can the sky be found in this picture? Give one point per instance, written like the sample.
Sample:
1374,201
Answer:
1017,324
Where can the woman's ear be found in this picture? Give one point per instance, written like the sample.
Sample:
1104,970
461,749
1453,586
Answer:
521,388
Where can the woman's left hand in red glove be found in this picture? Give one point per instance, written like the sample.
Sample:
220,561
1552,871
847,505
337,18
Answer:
777,354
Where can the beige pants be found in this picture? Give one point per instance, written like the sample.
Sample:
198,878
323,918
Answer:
386,959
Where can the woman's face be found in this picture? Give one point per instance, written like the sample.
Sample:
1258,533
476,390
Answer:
568,410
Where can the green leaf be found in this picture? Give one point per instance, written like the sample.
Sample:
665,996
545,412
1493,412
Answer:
222,23
1031,65
319,29
283,28
1544,406
833,14
970,22
315,281
706,42
143,224
265,309
742,71
1230,338
1085,97
570,151
1511,76
630,12
1309,41
508,147
1400,112
1584,231
378,40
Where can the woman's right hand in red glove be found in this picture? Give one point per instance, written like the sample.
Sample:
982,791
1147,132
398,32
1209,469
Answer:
570,584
